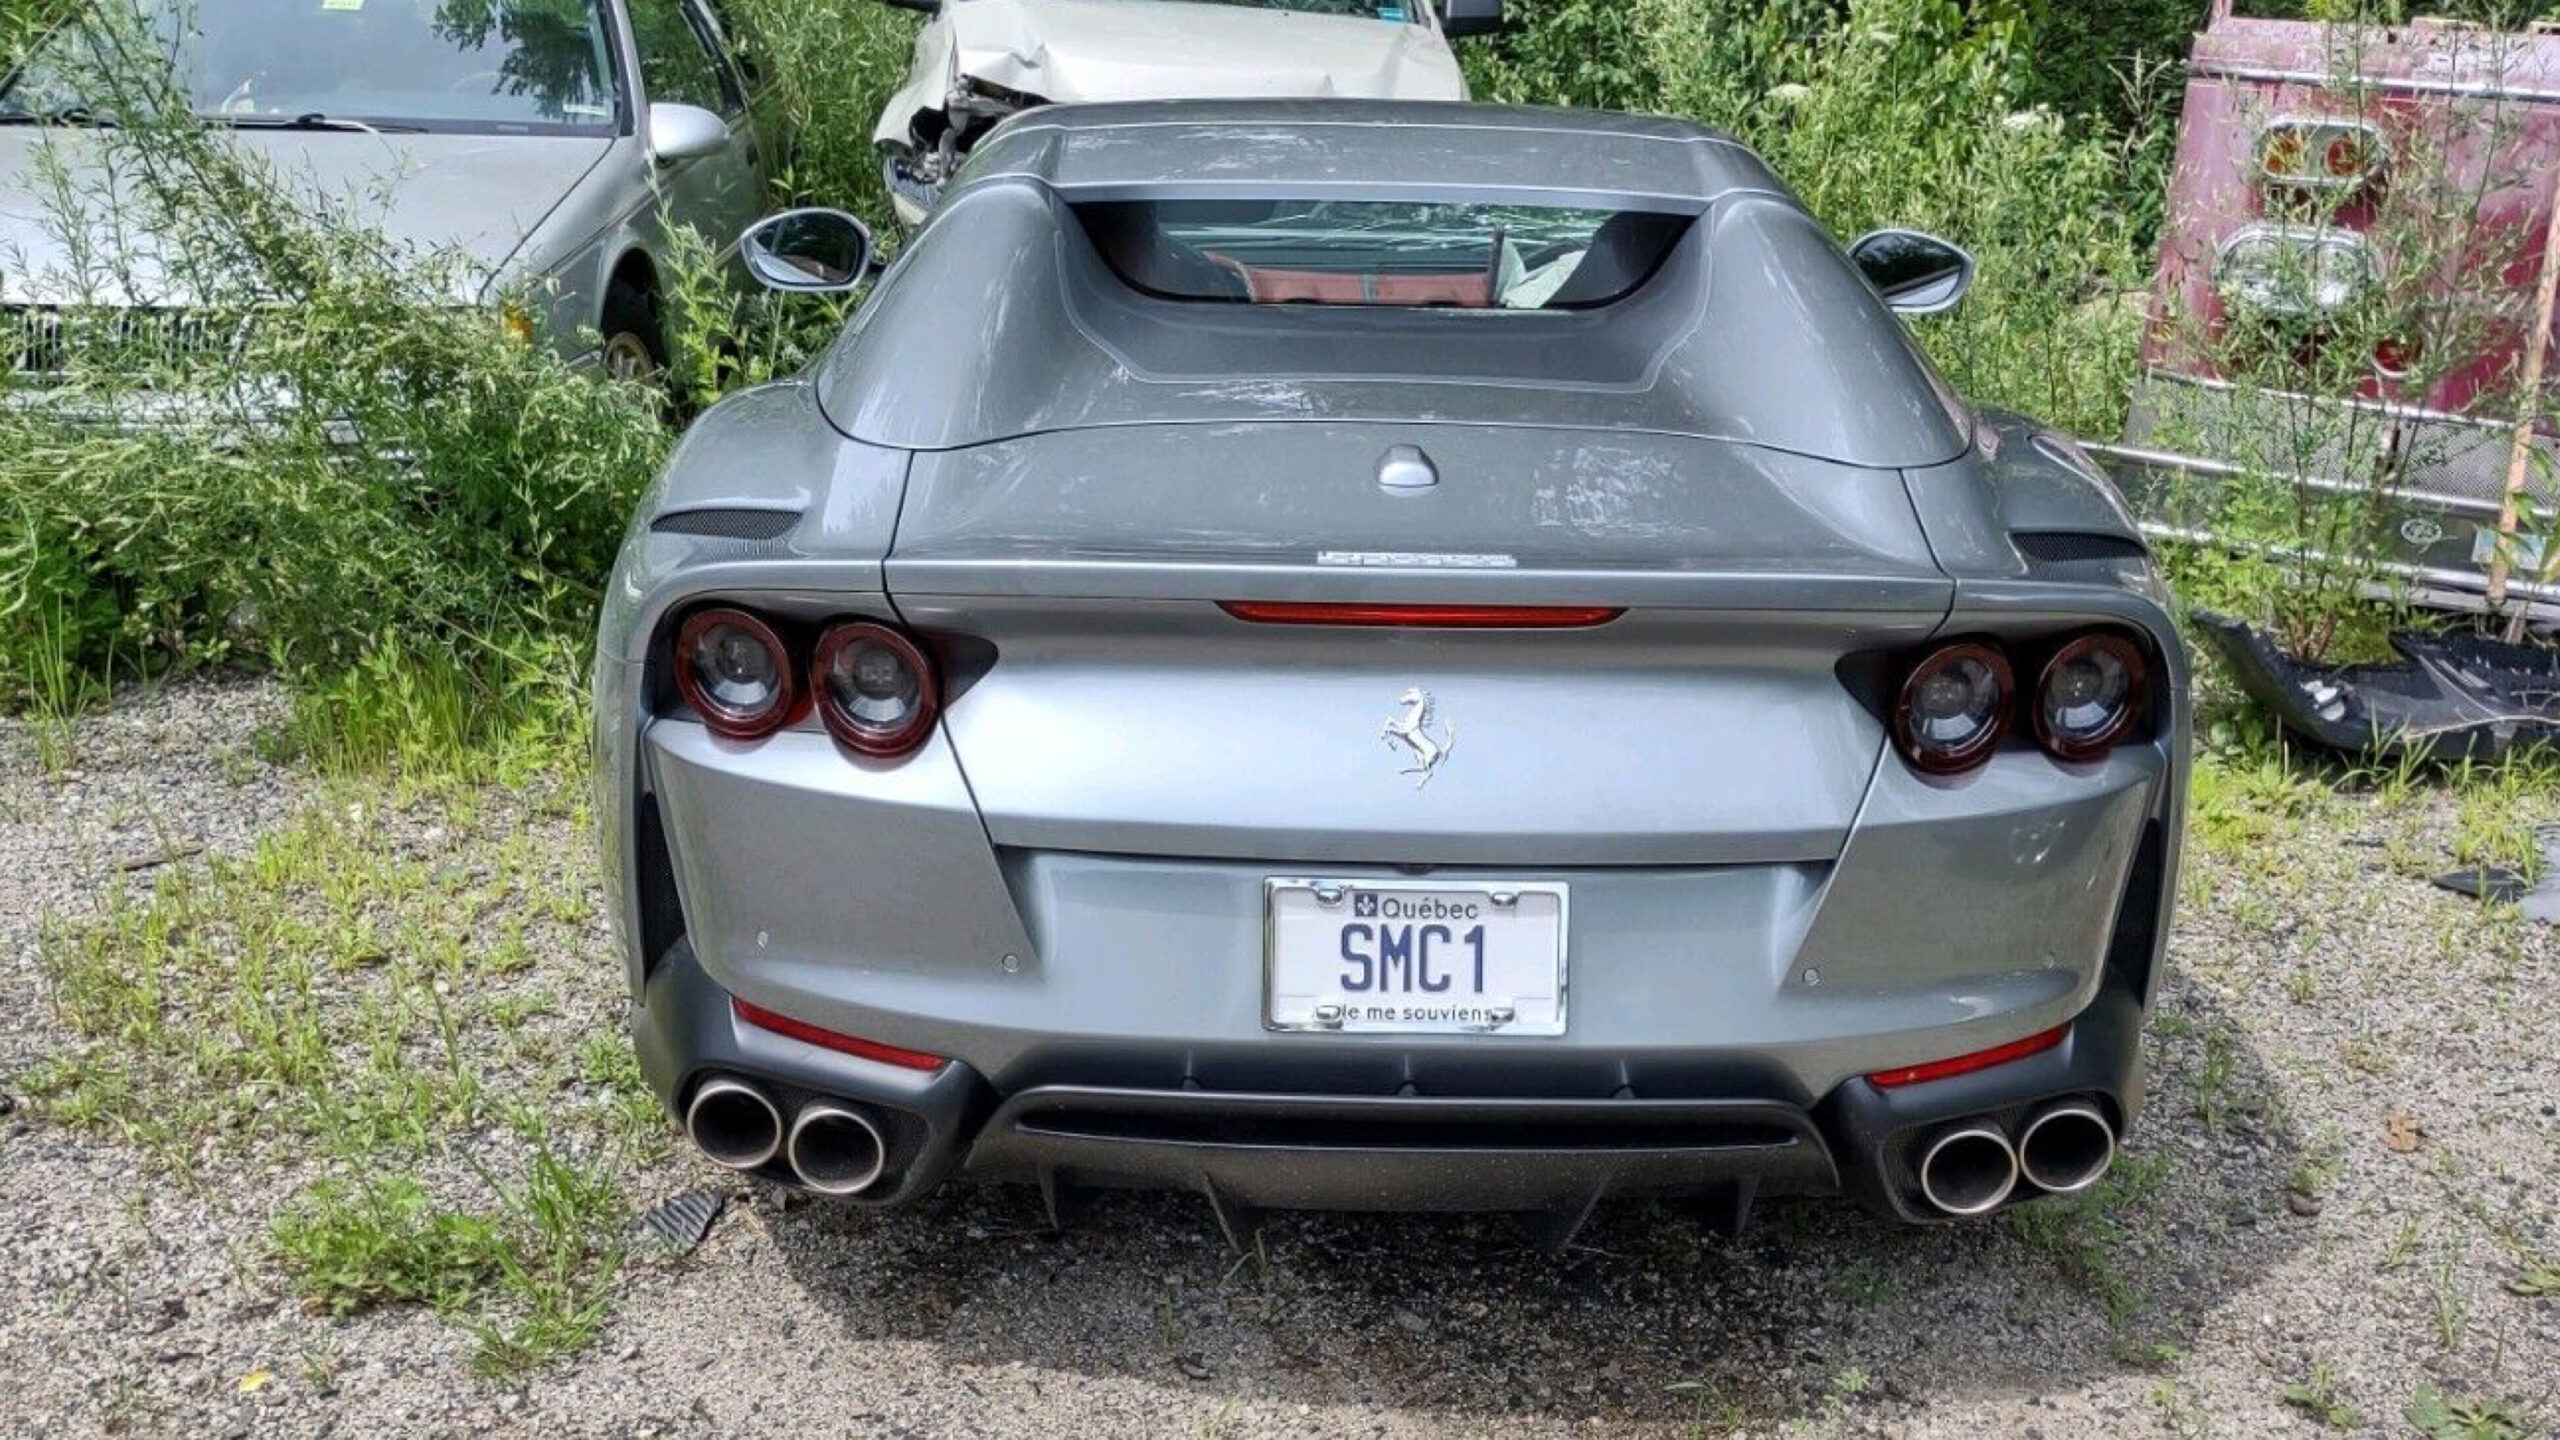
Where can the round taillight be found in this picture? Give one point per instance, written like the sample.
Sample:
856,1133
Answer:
1954,708
2089,696
876,691
2395,355
732,669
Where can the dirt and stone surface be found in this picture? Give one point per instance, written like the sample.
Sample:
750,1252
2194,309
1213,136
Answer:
2347,1186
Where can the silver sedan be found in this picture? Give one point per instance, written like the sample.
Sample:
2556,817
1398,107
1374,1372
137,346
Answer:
547,145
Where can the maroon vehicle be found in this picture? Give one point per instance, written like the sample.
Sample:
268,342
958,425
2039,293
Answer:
2318,166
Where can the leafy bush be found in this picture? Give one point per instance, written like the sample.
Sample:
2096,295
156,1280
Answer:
827,66
1911,112
371,458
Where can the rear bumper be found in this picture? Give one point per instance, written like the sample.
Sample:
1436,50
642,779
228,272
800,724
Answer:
1253,1149
868,901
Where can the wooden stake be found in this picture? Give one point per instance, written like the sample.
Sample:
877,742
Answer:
2537,344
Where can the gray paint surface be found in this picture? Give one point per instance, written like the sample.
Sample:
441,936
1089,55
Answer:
1756,329
1059,484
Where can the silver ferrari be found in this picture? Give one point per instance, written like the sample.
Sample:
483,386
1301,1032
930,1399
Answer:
1377,655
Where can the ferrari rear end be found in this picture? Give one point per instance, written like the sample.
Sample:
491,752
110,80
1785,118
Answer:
1504,739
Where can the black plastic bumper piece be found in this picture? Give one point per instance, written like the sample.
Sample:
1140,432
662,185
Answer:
2101,1058
1333,1152
1250,1151
685,1031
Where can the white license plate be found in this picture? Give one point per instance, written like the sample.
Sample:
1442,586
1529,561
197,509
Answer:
1412,957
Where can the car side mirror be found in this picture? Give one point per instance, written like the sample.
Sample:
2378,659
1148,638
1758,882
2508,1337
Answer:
1462,18
678,133
1916,274
808,252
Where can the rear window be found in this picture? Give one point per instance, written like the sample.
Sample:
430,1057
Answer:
1408,255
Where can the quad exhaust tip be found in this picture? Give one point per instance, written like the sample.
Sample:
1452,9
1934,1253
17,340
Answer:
733,1123
2066,1148
1969,1170
835,1150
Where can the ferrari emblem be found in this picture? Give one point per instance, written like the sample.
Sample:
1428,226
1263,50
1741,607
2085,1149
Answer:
1410,727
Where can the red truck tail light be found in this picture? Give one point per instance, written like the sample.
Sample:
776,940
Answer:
2320,155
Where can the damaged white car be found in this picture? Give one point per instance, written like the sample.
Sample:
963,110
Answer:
978,61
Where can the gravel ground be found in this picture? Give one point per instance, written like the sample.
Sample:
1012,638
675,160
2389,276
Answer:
2347,1176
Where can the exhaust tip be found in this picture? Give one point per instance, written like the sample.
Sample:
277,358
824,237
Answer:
1968,1170
733,1124
2067,1148
836,1151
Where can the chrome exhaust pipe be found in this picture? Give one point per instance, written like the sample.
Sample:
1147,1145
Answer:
1969,1170
2066,1148
733,1123
835,1150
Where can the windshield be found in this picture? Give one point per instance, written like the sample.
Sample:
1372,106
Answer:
486,65
1381,253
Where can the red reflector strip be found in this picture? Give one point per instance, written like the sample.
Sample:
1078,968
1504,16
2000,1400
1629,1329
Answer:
1444,617
1967,1064
764,1019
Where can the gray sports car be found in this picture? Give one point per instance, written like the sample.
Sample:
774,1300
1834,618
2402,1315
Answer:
1350,655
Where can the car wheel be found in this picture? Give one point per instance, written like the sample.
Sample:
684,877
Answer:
633,350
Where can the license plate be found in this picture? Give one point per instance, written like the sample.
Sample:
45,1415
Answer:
1413,957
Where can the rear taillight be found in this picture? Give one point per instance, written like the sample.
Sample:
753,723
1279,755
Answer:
1960,700
2320,155
2394,356
2089,696
2293,270
1954,707
875,689
734,671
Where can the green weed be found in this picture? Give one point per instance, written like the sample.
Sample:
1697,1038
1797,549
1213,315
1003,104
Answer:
2316,1395
343,991
2439,1416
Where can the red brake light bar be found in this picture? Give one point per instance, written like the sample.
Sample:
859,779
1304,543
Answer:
1442,617
764,1019
1967,1064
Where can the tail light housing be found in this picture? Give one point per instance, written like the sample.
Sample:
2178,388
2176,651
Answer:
735,672
1954,707
2089,696
2394,356
2294,270
876,690
1959,701
2325,155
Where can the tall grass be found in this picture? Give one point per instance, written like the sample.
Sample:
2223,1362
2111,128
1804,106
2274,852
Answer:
370,460
828,66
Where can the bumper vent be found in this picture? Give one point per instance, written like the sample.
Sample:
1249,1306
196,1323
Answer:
2056,548
728,524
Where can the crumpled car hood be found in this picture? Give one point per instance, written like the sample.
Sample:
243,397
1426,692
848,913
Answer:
1090,50
480,195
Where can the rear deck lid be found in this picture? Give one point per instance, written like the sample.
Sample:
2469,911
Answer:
1124,709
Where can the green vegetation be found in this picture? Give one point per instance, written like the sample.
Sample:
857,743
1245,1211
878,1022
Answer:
370,993
408,515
